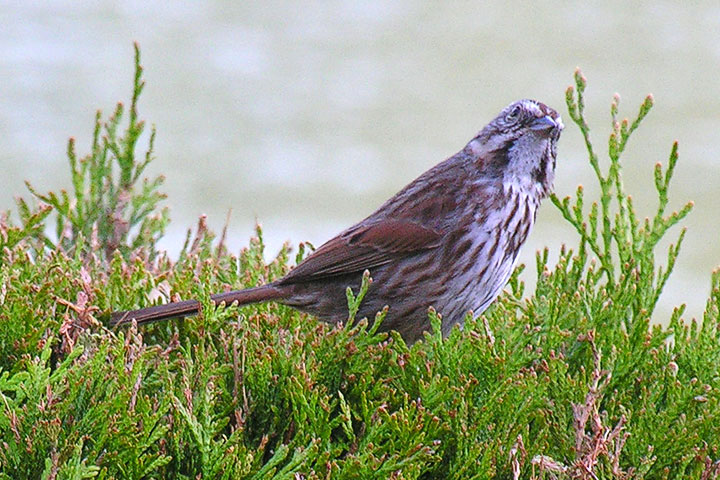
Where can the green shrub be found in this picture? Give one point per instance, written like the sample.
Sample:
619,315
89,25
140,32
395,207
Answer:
571,382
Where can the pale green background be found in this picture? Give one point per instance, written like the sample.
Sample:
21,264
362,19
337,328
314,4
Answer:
307,115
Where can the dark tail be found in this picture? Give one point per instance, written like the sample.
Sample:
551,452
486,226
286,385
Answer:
191,307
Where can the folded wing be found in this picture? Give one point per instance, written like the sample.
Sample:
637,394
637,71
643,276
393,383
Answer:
365,247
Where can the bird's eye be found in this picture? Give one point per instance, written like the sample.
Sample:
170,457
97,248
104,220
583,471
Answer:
514,114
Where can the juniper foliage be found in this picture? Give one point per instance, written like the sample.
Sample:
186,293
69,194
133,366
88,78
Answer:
571,381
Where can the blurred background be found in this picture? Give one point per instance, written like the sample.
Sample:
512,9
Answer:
308,115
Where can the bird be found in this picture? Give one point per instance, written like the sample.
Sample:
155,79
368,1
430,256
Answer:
448,240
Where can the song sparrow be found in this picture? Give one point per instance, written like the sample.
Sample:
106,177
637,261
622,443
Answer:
449,239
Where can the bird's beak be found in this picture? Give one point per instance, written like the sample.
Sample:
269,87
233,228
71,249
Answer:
546,123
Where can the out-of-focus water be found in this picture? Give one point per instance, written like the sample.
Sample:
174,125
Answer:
307,116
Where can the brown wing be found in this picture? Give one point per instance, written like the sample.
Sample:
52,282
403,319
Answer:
365,247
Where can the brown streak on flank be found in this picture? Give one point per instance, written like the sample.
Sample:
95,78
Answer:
474,278
522,228
445,254
528,212
525,225
425,276
511,250
410,269
481,273
494,244
414,310
398,280
463,247
472,263
525,229
516,245
516,204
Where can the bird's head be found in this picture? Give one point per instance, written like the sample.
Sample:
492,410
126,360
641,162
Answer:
520,144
